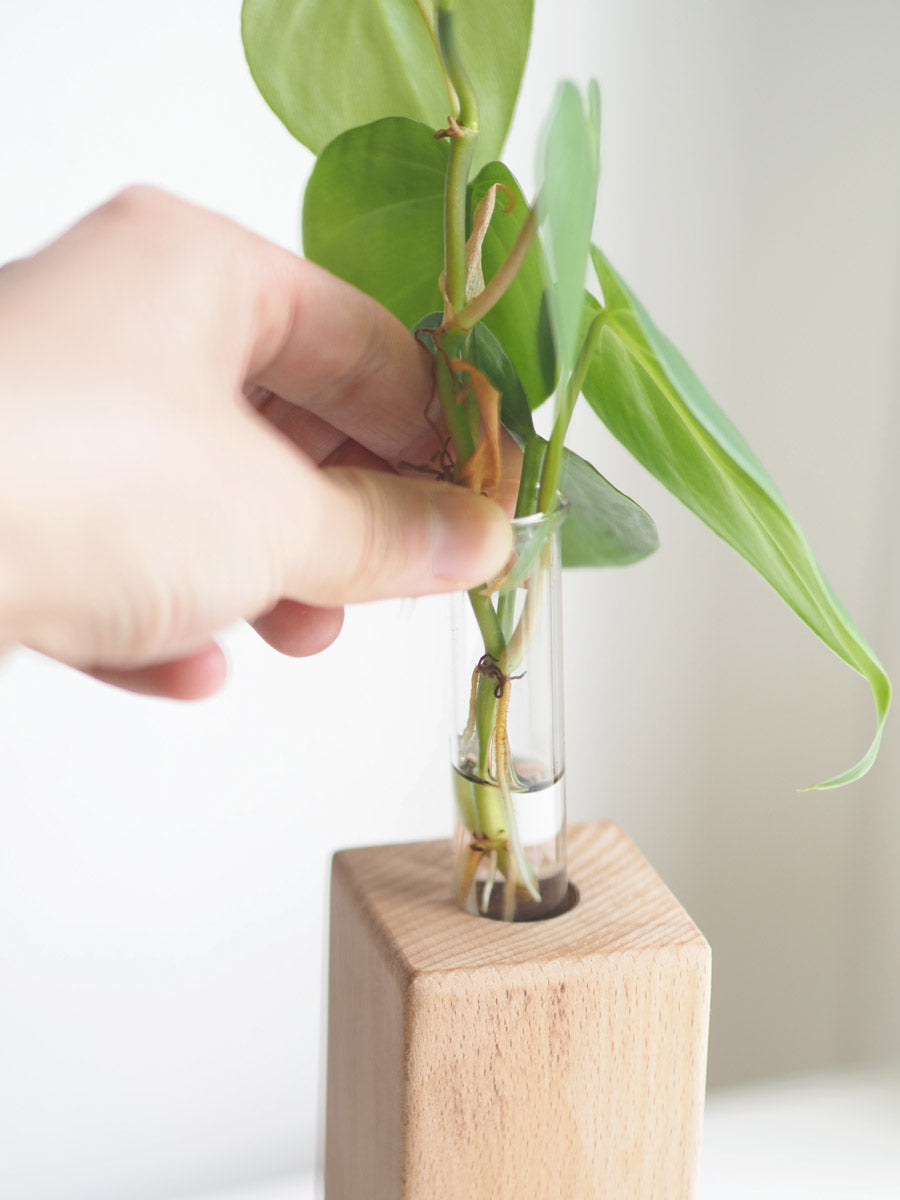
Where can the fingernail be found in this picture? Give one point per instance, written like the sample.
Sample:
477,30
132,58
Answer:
471,539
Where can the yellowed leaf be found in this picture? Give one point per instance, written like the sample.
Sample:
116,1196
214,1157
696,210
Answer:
482,472
481,219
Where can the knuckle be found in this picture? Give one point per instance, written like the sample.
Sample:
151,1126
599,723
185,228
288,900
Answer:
377,546
137,203
363,568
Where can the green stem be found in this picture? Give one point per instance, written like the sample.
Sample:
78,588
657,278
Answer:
553,463
454,66
427,13
567,394
486,702
488,624
530,478
455,193
455,415
464,131
462,148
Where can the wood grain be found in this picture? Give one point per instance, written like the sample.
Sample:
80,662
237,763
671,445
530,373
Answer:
558,1060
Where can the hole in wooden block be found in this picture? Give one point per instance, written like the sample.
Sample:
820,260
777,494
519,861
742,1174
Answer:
571,898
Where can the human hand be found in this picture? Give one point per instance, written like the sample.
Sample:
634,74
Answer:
196,426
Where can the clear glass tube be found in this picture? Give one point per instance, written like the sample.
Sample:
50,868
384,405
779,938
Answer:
507,746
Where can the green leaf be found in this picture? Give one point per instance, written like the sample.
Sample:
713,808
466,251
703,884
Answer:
520,319
568,173
483,351
651,400
325,66
373,213
604,528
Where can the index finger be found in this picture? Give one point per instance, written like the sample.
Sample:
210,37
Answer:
326,346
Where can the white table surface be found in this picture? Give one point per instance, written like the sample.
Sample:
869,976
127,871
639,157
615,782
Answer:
291,1187
826,1137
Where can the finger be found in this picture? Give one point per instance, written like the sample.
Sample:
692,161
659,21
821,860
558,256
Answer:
328,347
271,318
390,536
193,677
351,454
312,434
299,630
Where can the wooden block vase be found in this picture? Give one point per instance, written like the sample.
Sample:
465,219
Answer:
563,1059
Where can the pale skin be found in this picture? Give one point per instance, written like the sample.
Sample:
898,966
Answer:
197,426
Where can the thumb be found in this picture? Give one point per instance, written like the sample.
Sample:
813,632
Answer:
378,535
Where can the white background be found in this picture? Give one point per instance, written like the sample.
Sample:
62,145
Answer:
163,867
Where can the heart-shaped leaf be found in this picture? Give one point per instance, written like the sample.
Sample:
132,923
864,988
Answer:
604,528
373,213
325,66
652,401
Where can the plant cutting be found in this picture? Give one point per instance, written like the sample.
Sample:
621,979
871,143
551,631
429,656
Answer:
406,104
